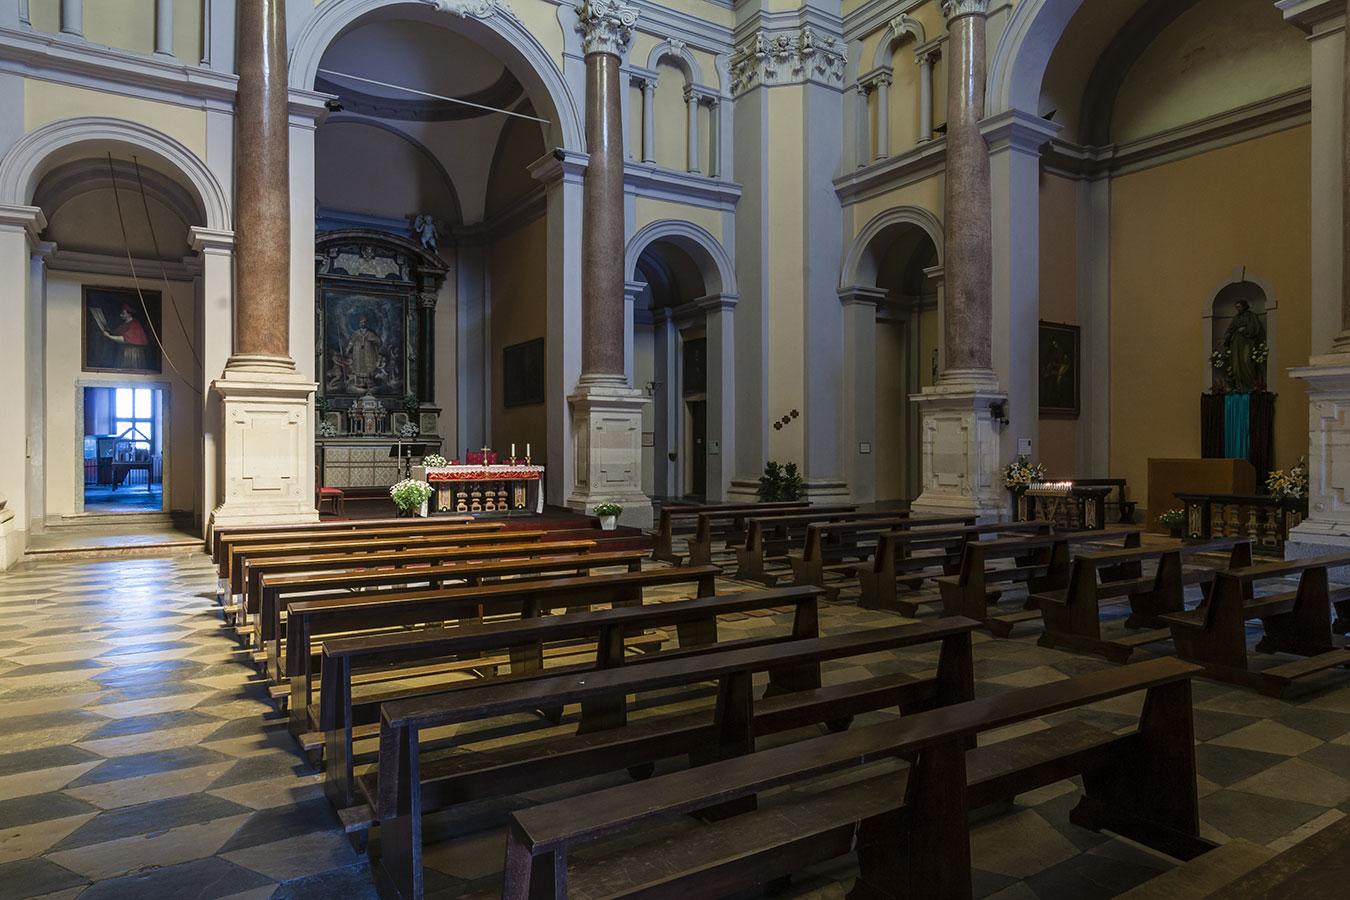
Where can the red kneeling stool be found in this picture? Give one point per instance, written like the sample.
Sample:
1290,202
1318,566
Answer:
332,495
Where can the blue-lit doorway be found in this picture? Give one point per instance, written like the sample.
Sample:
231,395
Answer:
123,449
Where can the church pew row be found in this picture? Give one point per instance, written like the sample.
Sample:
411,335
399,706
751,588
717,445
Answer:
833,546
1042,562
1072,615
229,544
895,562
404,788
340,719
731,527
406,566
283,532
775,538
681,520
909,828
1296,622
378,610
276,590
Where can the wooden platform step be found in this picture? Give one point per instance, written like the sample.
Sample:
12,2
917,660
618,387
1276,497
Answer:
1139,638
1002,625
1204,874
1300,667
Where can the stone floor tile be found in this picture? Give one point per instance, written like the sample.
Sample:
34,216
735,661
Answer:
297,857
156,816
1018,845
27,878
1254,817
130,791
1268,736
35,839
1297,779
210,878
170,847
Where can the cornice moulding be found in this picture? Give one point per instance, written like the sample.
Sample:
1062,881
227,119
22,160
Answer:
145,270
1018,130
920,162
30,218
646,180
779,58
1311,16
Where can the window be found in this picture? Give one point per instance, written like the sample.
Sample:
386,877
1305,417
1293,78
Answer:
134,410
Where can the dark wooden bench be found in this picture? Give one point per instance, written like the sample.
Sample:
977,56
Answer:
1296,622
1042,562
895,561
404,788
775,537
1316,868
277,589
1071,615
340,721
910,828
834,547
1124,507
378,610
732,527
683,519
218,535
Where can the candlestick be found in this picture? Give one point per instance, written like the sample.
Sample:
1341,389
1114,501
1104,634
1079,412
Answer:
527,451
513,451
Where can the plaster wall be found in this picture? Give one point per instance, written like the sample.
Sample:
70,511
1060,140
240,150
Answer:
46,101
1059,303
644,371
648,210
890,449
783,292
128,24
1177,232
671,125
63,433
516,264
926,194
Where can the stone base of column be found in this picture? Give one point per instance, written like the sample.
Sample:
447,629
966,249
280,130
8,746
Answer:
1327,528
266,473
960,447
607,446
12,539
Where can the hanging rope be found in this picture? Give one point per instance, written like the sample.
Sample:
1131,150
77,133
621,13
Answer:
163,272
398,87
126,243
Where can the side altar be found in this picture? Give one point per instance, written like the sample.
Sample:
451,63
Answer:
484,490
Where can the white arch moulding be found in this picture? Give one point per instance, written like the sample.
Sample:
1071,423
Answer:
896,29
44,148
488,22
707,252
680,53
1023,51
860,265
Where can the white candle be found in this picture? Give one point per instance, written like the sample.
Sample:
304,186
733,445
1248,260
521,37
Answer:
527,449
513,451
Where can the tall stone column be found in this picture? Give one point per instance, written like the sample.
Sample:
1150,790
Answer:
959,439
606,410
267,438
926,61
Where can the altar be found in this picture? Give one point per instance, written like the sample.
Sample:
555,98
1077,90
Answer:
484,490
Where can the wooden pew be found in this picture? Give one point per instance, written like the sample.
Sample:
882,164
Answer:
1042,562
230,543
1072,614
277,589
895,561
829,546
1296,622
910,828
775,537
404,788
340,720
683,519
1316,868
731,528
375,610
218,535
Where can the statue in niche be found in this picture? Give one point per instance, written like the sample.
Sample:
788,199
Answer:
424,226
1241,339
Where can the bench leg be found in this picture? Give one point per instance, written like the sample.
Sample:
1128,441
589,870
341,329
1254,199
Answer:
1307,630
398,873
529,877
881,871
937,831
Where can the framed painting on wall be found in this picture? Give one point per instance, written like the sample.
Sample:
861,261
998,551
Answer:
363,342
523,373
118,331
1059,370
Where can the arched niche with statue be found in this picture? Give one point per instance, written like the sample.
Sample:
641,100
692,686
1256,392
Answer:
1238,409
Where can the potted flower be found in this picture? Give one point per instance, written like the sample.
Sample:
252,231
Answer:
1019,475
1173,520
609,515
409,495
433,461
1290,487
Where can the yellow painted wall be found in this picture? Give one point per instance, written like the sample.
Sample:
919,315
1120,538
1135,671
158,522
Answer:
46,102
65,311
783,279
128,24
926,194
1177,232
1059,303
672,117
541,19
649,210
516,265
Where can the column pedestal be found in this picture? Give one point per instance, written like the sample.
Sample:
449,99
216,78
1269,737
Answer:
607,447
266,430
1327,528
960,446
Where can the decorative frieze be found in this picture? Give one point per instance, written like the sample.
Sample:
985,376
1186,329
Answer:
787,58
474,9
951,9
605,26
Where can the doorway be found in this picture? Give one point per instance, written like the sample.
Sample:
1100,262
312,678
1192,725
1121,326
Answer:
123,449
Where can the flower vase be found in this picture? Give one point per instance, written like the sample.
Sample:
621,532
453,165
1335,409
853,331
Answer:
1175,532
608,523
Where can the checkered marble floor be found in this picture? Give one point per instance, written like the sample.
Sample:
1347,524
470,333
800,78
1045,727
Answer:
140,758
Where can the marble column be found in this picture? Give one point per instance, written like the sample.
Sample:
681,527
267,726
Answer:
649,121
863,133
714,139
606,410
960,439
267,437
72,17
164,28
691,102
883,85
926,61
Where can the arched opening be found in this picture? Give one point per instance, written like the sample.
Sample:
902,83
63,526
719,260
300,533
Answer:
455,178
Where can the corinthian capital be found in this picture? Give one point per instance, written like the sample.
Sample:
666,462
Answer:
951,9
605,26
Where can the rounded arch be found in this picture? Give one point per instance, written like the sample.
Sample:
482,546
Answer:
490,23
860,265
901,25
707,252
1023,51
679,52
422,149
43,149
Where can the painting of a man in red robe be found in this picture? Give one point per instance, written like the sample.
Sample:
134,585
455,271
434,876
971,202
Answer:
117,337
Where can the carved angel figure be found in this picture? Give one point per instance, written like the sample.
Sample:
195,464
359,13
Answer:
424,226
